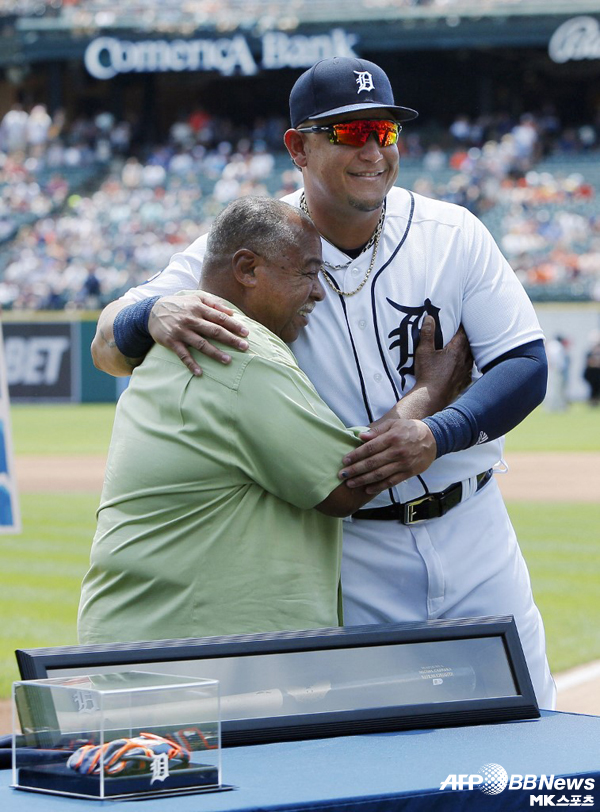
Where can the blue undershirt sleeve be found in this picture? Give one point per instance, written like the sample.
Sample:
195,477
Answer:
509,389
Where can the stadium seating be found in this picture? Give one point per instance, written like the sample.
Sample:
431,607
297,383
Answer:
120,219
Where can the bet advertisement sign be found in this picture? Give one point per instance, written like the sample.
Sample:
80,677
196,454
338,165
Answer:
39,361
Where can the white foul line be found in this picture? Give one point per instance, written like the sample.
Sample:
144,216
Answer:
578,676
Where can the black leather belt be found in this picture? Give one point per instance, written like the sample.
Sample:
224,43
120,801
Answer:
431,506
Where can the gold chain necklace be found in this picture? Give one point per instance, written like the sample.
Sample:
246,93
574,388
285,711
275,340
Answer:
373,241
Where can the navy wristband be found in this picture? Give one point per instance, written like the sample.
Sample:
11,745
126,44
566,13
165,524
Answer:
130,328
452,431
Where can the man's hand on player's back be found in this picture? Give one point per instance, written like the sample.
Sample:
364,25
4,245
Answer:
195,320
176,322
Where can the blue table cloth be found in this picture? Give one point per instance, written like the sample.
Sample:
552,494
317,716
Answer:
381,771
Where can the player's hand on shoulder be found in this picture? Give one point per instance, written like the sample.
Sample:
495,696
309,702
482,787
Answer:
195,320
394,450
446,372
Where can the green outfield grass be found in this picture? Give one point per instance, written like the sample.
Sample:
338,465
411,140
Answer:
560,544
577,429
41,570
41,574
62,429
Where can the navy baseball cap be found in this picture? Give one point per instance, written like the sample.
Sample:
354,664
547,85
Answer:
343,85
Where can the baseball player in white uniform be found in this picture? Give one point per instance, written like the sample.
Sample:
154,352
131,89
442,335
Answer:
436,542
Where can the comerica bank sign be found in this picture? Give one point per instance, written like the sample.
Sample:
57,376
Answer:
575,40
105,57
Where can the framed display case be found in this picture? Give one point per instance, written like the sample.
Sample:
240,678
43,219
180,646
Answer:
337,681
116,735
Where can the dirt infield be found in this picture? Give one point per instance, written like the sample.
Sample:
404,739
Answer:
74,473
540,476
546,476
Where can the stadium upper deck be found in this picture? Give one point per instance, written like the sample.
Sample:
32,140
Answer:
147,60
185,16
242,12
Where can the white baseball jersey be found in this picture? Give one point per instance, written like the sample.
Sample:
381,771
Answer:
433,258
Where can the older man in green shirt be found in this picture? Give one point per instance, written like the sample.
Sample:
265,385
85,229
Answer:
206,523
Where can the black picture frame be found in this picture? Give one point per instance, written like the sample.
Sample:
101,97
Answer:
364,642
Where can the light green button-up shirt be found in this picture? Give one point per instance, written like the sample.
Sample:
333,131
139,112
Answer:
206,523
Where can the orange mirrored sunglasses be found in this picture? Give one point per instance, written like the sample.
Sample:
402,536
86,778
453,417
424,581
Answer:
356,133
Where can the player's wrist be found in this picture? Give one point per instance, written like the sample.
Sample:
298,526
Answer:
429,440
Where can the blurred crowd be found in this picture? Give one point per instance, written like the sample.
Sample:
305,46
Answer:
534,184
85,213
82,218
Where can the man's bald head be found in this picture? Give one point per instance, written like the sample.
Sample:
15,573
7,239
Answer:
259,224
264,256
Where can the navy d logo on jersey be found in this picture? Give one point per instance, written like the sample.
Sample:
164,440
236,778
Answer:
406,335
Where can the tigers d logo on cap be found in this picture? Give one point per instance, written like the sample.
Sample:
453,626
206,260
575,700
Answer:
364,80
343,85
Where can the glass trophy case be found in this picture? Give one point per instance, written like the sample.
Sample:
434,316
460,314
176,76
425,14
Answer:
326,682
117,735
